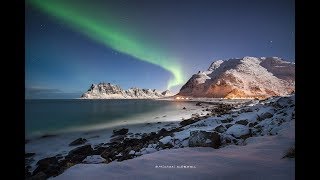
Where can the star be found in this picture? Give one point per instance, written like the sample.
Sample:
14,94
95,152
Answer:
42,26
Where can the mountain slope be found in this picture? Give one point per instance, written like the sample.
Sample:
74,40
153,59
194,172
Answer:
248,77
110,91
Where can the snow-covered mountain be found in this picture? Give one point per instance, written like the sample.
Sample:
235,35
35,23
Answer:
247,77
110,91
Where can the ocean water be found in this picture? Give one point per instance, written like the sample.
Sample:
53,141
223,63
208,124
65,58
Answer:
59,116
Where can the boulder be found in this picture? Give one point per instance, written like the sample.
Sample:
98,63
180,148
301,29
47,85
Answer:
242,122
94,159
108,154
264,116
253,124
47,161
117,139
204,139
220,129
48,166
48,135
187,122
78,141
86,149
198,104
122,131
228,125
166,140
226,120
78,154
27,173
38,176
165,146
239,131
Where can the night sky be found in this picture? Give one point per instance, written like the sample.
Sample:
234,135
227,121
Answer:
148,44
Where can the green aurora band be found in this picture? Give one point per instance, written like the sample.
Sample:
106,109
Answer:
111,36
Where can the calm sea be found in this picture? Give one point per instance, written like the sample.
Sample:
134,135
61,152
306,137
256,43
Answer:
54,116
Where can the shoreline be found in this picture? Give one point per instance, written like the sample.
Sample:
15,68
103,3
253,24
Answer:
51,144
146,138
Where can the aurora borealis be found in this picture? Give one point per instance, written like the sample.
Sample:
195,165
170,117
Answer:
111,36
158,44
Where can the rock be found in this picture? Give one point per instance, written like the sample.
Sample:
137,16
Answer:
29,160
198,104
110,91
290,153
82,150
235,115
228,140
239,131
258,129
242,122
49,166
98,150
163,132
27,173
48,135
247,110
166,140
47,161
38,176
226,120
94,159
228,125
253,124
204,139
234,78
132,152
184,108
78,141
122,131
27,155
220,129
108,154
187,122
264,116
117,139
165,146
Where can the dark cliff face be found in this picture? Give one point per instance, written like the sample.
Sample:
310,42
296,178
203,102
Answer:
248,77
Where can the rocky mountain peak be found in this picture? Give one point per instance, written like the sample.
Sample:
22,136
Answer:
247,77
111,91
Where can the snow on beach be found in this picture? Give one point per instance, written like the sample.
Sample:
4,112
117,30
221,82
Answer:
261,159
248,142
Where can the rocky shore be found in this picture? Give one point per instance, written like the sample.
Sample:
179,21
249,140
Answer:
218,126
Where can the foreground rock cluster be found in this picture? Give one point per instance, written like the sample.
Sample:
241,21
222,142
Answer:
226,124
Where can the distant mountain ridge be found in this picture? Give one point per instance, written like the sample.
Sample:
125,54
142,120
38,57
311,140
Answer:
110,91
248,77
